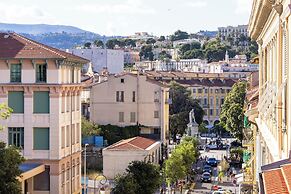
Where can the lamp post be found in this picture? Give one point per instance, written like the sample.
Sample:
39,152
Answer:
102,181
85,170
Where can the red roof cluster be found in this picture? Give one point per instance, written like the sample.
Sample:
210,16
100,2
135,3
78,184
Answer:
136,143
15,46
278,181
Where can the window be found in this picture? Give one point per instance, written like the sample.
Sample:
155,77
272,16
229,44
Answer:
68,101
211,101
133,96
15,73
77,132
206,91
73,75
63,137
211,91
41,138
78,166
121,80
205,101
228,90
120,96
78,102
41,72
68,171
222,101
63,103
217,112
121,117
194,90
73,103
41,182
63,174
132,117
222,91
73,168
216,91
16,101
16,136
68,136
199,91
211,112
217,102
41,102
73,134
156,114
157,131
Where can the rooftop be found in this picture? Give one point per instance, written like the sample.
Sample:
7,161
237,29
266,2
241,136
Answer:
135,143
15,46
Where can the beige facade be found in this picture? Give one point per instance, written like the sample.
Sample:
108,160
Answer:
130,99
118,156
270,27
51,137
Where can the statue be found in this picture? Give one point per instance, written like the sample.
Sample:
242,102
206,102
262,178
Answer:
192,125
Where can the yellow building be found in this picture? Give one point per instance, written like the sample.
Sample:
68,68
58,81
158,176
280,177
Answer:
209,89
270,26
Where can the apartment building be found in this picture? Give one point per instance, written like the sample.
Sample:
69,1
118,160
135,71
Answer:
234,31
42,86
269,26
132,99
209,89
110,59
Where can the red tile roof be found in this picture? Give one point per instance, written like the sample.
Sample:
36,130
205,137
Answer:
136,143
15,46
287,175
274,182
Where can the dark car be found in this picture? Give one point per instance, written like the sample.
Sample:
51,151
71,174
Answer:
207,168
212,162
206,177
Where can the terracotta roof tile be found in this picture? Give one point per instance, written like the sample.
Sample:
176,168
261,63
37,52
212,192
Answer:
136,143
287,175
274,182
15,46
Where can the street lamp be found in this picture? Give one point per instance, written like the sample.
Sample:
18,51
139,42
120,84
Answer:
102,181
85,170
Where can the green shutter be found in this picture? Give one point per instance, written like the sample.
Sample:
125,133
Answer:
41,139
15,72
16,101
41,102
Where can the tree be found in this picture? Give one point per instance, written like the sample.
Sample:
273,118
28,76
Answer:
87,45
232,114
202,128
146,52
141,177
182,104
174,169
179,35
164,55
110,44
124,184
89,128
99,43
162,38
10,159
151,41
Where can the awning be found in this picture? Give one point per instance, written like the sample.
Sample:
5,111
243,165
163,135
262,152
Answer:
30,170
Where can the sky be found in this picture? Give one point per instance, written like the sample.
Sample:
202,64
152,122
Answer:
125,17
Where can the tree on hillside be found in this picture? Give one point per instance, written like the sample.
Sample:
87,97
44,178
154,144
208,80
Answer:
179,35
10,159
162,38
87,45
163,55
99,43
146,52
232,114
182,104
141,177
151,41
110,44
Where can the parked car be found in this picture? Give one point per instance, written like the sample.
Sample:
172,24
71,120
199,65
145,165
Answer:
206,177
212,162
215,188
207,168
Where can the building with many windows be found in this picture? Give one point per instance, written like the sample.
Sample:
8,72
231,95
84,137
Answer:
209,89
269,25
132,99
42,86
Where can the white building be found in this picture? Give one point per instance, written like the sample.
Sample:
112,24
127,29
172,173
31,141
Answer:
129,99
234,31
118,156
112,60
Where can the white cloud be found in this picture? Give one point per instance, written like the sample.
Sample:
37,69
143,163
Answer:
24,14
243,7
197,3
127,7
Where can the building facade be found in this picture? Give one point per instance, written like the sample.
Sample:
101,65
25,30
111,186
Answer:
112,60
269,26
233,31
118,156
42,86
130,99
